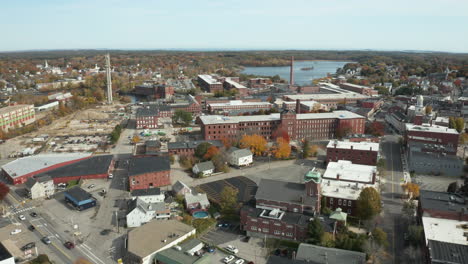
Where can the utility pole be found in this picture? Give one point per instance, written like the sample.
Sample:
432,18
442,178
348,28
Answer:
109,79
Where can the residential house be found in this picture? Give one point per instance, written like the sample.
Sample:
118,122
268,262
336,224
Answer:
140,212
40,187
144,242
180,188
204,168
153,195
196,202
240,157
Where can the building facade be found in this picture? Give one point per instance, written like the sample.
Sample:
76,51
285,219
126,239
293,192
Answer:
209,84
238,106
365,153
16,116
147,117
148,172
359,89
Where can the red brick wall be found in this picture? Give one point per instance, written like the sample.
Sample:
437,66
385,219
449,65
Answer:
442,138
333,204
142,122
364,157
149,180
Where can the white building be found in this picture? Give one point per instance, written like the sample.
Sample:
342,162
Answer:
445,230
205,168
240,157
152,195
40,187
180,188
144,242
140,212
196,201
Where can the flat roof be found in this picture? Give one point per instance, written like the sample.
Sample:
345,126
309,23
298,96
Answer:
348,171
26,165
443,252
363,145
239,102
78,194
91,166
430,128
235,84
325,255
334,114
445,230
8,109
441,201
357,85
208,78
148,238
343,189
316,97
180,256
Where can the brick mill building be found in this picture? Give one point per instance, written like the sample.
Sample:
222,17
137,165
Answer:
283,209
209,84
312,126
364,153
359,89
147,116
434,138
342,183
238,106
148,172
154,91
16,116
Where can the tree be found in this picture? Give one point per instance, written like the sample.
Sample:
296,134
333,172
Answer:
459,124
375,128
326,240
452,188
256,143
368,203
210,153
4,190
428,110
380,237
281,132
452,122
315,231
415,235
228,200
181,116
382,90
283,149
201,149
306,151
409,210
220,162
135,139
412,189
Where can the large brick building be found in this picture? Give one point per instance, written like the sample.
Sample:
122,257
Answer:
330,100
230,84
359,89
312,126
16,116
147,116
188,148
154,91
434,138
365,153
283,209
189,104
209,84
148,172
238,106
342,183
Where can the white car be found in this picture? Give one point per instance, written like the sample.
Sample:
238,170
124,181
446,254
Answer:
22,217
228,259
239,261
232,249
16,231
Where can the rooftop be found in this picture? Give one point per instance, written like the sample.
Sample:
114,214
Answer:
429,128
235,84
34,163
207,78
204,166
325,255
240,103
78,193
4,253
443,252
441,201
445,230
91,166
363,145
347,171
147,110
150,237
287,217
8,109
192,144
174,255
197,198
141,165
281,191
317,97
146,192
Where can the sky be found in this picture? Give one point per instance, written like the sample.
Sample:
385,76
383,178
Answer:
431,25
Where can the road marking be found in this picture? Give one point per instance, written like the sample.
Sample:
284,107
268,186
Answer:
91,255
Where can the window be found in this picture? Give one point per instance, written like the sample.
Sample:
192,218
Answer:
253,220
265,230
277,224
331,200
295,210
339,201
289,234
253,228
277,232
266,222
349,203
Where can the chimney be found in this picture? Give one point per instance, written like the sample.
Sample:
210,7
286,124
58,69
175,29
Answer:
291,73
370,148
298,106
338,176
373,177
351,147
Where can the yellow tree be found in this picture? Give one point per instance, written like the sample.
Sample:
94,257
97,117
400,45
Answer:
283,149
412,189
256,143
135,139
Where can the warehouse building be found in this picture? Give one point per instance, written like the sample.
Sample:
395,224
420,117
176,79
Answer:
79,198
148,172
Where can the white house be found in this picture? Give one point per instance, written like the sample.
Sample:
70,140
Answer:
140,212
40,187
152,195
196,201
240,157
205,168
180,188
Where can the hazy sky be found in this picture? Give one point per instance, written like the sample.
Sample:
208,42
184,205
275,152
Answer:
440,25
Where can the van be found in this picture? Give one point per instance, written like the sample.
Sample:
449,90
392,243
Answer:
111,176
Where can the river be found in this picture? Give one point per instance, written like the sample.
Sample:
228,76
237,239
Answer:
321,68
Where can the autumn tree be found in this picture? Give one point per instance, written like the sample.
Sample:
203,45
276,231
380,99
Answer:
306,151
201,149
459,124
210,153
135,139
380,237
282,149
228,200
368,203
412,189
375,128
256,143
281,132
428,110
4,190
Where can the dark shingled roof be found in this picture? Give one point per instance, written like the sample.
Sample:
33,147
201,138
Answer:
281,191
149,110
79,194
192,144
443,252
323,255
4,254
441,201
90,166
288,217
141,165
146,192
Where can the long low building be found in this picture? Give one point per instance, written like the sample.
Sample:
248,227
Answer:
311,126
238,106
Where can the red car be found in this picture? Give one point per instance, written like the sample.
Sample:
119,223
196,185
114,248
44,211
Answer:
69,245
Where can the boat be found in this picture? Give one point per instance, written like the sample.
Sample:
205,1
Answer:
307,68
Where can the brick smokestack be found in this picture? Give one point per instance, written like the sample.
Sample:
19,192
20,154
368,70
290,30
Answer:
291,73
298,106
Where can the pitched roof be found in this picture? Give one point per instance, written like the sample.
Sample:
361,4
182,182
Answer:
93,165
205,166
443,252
141,165
324,255
281,191
197,198
146,192
178,186
30,182
145,207
238,153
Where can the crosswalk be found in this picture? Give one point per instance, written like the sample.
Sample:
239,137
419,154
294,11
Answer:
21,210
86,250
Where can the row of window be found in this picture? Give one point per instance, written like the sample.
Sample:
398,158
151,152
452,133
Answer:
341,202
266,230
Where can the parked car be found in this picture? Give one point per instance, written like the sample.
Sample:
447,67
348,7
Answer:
22,217
239,261
210,249
111,175
32,228
16,231
232,249
228,259
46,240
69,245
33,214
91,186
28,246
